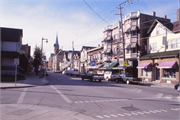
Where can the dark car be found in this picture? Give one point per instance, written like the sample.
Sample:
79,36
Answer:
177,87
119,78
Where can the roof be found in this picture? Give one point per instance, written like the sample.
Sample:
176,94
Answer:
176,27
167,24
56,44
166,54
11,34
87,47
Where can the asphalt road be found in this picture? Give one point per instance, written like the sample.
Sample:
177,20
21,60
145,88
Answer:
99,100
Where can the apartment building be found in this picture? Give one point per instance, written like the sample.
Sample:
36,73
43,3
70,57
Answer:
161,62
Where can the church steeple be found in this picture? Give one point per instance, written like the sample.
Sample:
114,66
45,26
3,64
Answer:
56,45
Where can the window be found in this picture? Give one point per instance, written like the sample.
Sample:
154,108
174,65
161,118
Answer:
146,72
134,33
157,30
133,50
115,37
169,73
173,43
153,47
178,43
115,51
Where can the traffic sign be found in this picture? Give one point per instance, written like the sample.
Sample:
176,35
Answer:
125,63
16,61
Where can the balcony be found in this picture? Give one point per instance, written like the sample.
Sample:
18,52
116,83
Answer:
132,15
109,27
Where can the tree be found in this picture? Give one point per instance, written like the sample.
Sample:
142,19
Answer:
37,58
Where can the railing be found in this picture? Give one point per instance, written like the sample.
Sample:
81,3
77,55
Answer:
109,27
132,14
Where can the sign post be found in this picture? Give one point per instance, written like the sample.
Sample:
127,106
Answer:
16,62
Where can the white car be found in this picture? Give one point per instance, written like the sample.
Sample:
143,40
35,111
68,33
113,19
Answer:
75,73
110,75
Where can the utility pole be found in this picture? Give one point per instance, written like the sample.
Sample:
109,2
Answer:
122,35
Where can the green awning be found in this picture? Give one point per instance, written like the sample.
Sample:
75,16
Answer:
118,68
112,65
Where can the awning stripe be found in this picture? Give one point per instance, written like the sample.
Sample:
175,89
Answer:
169,64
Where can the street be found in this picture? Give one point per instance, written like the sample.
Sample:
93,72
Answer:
99,100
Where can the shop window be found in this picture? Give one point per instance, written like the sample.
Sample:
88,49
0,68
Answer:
133,50
169,73
146,72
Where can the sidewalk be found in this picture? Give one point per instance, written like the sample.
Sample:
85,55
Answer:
31,81
159,85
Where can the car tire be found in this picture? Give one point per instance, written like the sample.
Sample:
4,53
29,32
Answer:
82,78
99,80
127,81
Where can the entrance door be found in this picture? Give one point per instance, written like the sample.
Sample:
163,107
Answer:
157,73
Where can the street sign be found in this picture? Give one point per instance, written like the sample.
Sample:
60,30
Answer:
125,63
93,63
16,61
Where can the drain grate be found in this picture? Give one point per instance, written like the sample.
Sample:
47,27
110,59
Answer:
130,108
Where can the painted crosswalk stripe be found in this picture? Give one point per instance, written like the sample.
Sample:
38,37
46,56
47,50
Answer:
157,110
81,101
127,114
61,94
152,111
86,101
107,116
101,100
96,101
114,115
21,98
91,101
99,116
164,110
140,113
106,100
146,112
120,115
134,113
75,102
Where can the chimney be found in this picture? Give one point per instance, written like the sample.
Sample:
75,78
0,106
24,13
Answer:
165,16
153,13
178,14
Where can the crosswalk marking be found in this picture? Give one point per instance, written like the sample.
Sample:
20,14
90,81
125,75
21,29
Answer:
21,98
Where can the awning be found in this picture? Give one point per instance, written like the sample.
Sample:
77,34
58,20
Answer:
118,68
128,30
94,67
144,65
169,64
127,46
112,65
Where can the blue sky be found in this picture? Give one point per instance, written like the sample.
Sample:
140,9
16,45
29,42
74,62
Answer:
72,20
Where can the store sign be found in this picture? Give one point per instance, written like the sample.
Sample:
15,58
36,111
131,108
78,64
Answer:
93,63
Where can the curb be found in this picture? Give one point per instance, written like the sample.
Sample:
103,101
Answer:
23,86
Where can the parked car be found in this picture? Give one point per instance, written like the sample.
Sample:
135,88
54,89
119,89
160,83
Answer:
69,72
127,78
75,73
86,76
177,87
110,75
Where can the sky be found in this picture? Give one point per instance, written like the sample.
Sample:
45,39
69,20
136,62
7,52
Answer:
81,21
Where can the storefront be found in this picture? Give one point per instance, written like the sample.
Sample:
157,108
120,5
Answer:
161,67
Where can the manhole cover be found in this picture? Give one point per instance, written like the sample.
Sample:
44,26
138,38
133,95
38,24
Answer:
130,108
21,112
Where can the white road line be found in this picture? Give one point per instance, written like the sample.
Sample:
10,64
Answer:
134,113
61,94
96,101
21,98
99,116
146,112
120,115
75,102
140,113
101,100
91,101
127,114
157,110
174,109
111,100
152,111
106,100
107,116
81,101
86,101
114,115
163,110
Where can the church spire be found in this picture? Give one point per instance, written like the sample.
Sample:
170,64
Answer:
56,45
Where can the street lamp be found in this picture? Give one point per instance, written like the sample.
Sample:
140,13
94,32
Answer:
42,49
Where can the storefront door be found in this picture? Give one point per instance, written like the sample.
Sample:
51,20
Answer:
157,73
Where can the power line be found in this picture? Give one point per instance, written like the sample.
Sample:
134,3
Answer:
95,12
